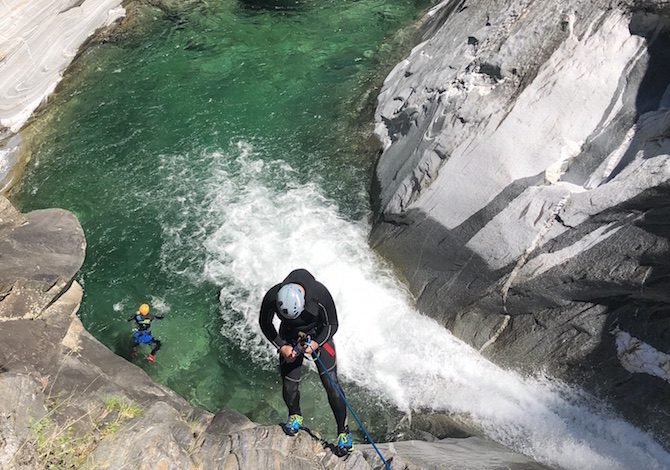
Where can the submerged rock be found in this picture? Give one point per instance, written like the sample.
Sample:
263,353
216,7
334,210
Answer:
524,184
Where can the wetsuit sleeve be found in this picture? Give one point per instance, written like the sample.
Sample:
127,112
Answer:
132,317
328,325
265,319
159,317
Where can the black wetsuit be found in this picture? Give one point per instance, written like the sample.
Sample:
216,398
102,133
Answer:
319,321
142,334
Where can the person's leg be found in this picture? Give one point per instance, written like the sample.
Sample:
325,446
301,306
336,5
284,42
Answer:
290,374
150,340
328,359
157,346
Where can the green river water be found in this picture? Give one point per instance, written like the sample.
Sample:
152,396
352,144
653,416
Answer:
146,125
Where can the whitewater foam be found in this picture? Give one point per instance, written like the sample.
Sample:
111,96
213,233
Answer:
259,224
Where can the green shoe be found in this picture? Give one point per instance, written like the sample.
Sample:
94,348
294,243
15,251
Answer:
293,425
344,442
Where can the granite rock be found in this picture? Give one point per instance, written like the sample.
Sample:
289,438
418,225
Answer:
523,186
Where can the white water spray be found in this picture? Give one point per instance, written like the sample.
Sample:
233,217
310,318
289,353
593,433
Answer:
263,225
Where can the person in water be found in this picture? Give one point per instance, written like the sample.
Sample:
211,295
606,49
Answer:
142,332
306,310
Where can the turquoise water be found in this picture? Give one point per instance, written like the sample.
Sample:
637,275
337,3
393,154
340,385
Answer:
149,131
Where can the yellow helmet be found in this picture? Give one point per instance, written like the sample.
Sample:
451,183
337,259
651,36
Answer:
144,309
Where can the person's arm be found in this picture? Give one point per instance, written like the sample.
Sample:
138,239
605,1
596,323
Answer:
159,317
328,325
265,319
132,317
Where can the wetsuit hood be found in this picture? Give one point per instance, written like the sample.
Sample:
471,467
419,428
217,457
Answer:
306,280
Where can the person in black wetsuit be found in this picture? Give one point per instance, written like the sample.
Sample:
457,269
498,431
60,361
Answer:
305,307
142,333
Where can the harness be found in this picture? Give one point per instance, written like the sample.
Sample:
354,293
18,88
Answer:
299,345
143,321
141,334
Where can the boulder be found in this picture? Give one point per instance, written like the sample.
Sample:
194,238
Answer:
40,253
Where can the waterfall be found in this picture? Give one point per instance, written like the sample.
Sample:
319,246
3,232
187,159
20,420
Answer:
264,224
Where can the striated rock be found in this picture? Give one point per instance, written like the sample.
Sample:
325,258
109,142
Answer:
39,40
523,187
636,356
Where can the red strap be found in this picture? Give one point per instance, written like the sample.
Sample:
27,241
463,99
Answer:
329,349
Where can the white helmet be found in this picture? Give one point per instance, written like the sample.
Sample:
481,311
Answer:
290,301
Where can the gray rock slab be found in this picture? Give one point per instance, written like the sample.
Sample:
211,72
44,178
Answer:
40,253
269,447
226,421
472,453
160,438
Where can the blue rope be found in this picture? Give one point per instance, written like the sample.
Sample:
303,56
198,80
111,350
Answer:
353,413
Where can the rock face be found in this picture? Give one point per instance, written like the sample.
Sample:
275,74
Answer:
471,453
66,401
39,40
523,190
40,253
